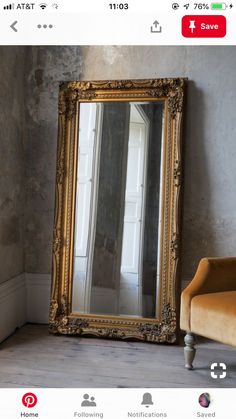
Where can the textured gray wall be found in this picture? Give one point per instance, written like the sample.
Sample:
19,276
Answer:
11,162
209,221
45,67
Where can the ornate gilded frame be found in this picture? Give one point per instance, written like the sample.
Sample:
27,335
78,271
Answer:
62,320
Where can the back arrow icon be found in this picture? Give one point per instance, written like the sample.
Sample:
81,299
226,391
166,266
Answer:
13,26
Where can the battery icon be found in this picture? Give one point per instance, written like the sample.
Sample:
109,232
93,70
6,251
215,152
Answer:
218,6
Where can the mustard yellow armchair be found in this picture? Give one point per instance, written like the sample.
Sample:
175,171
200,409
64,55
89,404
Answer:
208,305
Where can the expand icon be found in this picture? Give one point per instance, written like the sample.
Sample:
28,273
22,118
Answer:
221,370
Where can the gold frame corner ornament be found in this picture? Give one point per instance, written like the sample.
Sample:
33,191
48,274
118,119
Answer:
61,319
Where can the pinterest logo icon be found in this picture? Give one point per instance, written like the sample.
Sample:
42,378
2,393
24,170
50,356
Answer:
29,400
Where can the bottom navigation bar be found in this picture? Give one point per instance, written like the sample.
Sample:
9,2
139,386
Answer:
117,403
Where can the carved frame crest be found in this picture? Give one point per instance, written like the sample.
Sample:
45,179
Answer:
61,319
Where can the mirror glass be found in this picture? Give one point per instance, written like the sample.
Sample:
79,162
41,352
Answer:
118,201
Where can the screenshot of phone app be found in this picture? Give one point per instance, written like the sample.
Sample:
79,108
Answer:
117,209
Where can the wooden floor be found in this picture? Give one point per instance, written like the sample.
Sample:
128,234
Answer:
33,358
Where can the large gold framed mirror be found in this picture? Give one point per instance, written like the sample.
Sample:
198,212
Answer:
117,212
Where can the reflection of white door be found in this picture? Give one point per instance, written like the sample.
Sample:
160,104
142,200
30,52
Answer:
88,136
130,299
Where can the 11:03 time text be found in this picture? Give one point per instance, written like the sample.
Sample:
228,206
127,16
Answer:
118,6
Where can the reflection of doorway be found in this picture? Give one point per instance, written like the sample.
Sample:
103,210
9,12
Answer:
89,147
130,291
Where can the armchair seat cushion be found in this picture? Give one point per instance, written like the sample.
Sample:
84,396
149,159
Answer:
213,315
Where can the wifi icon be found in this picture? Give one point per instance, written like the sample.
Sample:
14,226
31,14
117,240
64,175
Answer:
43,6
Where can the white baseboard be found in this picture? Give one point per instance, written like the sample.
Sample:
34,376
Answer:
38,297
12,305
24,298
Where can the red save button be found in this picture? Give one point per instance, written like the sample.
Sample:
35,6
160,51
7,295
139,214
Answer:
203,26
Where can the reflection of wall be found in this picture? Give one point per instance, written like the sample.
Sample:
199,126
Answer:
152,203
103,300
111,192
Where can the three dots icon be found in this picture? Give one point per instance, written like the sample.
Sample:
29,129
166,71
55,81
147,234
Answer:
44,26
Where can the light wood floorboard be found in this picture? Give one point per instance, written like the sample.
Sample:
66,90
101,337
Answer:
34,358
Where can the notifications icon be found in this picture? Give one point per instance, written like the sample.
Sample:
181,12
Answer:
147,399
29,400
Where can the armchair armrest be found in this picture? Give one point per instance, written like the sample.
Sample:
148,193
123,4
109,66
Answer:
213,275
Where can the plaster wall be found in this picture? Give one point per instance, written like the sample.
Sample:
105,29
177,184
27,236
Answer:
44,69
209,216
11,162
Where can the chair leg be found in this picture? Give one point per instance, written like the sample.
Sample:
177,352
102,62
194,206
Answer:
189,350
